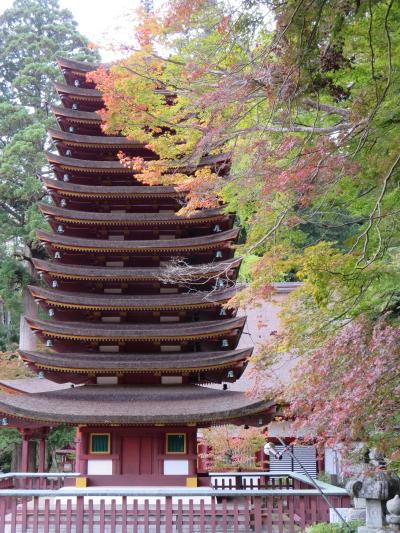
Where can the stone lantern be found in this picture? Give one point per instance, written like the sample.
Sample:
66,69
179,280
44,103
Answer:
393,518
376,488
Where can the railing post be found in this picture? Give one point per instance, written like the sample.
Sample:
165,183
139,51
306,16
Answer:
168,515
79,514
257,514
3,511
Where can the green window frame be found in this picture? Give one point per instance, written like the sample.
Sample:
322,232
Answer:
175,443
100,443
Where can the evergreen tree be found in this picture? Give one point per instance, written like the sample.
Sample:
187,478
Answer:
33,33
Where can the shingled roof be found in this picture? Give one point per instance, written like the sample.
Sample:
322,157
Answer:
88,165
99,245
72,64
77,91
64,270
98,140
136,362
76,115
134,405
31,385
167,302
132,218
112,191
146,331
93,166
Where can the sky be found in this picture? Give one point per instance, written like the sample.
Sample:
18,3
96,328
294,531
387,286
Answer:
98,18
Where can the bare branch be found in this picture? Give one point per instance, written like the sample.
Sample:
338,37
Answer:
330,109
376,210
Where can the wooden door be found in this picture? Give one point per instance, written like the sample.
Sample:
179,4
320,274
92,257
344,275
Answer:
146,456
137,456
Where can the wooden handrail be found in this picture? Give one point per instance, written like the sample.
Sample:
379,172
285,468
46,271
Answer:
38,474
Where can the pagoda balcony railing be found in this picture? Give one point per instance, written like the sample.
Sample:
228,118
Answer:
173,509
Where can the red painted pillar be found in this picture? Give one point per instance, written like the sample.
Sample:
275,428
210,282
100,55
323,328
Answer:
192,450
83,449
202,450
78,449
116,451
25,453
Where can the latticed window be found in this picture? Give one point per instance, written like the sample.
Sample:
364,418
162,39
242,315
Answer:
99,443
176,443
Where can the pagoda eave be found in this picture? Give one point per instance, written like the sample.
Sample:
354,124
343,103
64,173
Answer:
93,166
60,214
97,363
77,116
96,405
208,242
66,189
87,166
94,141
167,302
228,269
147,332
81,67
79,92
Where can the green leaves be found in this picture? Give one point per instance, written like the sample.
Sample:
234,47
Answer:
8,439
33,33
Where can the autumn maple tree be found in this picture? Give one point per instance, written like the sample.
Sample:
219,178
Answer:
303,96
232,448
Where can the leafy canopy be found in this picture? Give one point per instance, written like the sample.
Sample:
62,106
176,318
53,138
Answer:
305,97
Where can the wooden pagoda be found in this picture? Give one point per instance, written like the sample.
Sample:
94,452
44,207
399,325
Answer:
138,351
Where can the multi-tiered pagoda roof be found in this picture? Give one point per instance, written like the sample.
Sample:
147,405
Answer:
111,311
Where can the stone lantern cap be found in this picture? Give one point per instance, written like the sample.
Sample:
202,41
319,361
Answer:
374,486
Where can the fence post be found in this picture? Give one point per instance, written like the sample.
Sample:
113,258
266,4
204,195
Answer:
3,510
79,514
168,514
257,514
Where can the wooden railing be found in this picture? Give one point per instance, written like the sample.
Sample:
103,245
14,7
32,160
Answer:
256,480
167,509
264,480
33,480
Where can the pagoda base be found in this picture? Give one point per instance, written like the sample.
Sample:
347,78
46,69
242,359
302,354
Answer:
141,481
136,456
